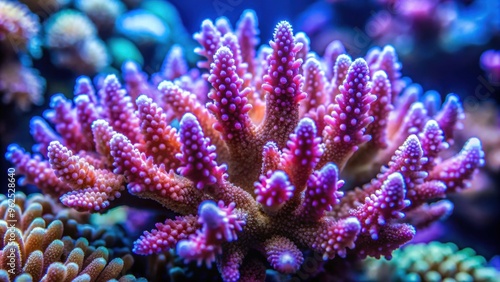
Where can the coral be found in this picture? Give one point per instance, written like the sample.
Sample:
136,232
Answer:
490,63
434,261
21,85
42,243
252,171
17,25
72,38
102,13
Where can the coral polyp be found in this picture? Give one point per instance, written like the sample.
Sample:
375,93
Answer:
259,168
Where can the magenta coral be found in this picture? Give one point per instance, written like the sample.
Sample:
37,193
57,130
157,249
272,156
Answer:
258,169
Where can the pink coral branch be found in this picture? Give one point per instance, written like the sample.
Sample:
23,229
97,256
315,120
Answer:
322,193
166,235
248,38
345,129
283,83
162,141
302,154
273,191
198,157
457,171
385,205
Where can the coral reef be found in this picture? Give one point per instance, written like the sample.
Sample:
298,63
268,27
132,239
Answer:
258,169
42,241
434,261
19,83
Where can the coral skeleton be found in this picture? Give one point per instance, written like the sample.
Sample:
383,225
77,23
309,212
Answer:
260,166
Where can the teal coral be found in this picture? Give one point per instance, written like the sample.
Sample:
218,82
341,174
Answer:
431,262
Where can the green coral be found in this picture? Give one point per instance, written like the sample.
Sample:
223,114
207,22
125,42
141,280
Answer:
431,262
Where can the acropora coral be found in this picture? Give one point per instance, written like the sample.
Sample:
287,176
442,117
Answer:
44,242
434,261
258,168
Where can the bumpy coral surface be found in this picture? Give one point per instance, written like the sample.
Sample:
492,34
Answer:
39,244
259,168
434,261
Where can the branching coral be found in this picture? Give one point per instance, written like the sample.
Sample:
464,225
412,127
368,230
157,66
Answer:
40,243
240,183
434,261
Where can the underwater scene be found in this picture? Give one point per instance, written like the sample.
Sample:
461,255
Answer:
238,140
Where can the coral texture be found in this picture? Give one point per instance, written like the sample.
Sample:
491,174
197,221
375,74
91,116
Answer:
434,261
258,168
43,242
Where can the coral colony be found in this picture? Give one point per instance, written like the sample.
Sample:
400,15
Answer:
257,163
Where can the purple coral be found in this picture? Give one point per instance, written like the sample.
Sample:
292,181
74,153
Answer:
245,179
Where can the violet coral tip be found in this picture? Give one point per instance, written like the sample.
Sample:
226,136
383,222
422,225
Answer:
432,141
314,84
404,102
456,172
283,254
340,69
337,238
345,130
223,25
161,140
302,153
231,41
103,132
303,39
413,123
166,235
388,62
83,85
247,32
432,102
322,192
87,113
209,38
273,191
450,117
386,204
230,105
380,109
408,160
120,109
64,117
283,84
43,134
198,157
220,223
332,52
136,81
174,65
